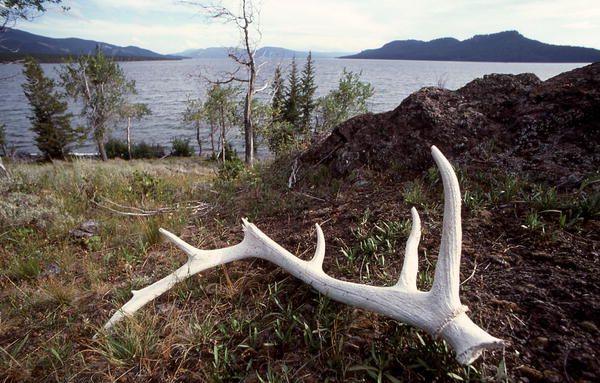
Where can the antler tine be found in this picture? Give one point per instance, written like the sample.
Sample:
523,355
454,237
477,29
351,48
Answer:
198,260
190,250
317,260
408,275
446,281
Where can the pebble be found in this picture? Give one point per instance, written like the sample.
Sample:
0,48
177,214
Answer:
589,327
540,341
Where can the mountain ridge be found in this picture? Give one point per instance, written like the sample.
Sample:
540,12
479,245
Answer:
16,44
507,46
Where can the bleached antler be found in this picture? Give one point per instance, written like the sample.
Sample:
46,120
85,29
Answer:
437,311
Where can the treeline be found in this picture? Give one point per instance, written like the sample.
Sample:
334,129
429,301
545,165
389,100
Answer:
11,57
288,117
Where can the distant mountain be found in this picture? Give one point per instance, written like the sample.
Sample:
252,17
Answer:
15,44
205,53
509,46
264,52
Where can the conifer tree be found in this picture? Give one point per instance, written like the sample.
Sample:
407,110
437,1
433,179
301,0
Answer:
307,92
50,120
291,112
278,89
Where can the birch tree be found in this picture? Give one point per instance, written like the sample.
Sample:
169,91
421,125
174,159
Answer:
134,112
102,87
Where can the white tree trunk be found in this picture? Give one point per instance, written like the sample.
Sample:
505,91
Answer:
129,137
3,171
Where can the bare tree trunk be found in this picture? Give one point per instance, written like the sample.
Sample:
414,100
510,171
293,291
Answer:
223,139
212,138
3,171
248,126
129,138
101,149
198,138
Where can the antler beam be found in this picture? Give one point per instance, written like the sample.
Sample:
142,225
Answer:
437,311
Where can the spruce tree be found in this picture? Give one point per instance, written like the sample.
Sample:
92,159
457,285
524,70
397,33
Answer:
291,111
307,92
278,89
50,120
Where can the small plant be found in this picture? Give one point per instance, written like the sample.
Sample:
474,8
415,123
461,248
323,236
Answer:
93,243
473,200
59,293
222,362
510,187
414,193
232,166
24,268
230,170
181,147
135,340
533,222
373,244
146,185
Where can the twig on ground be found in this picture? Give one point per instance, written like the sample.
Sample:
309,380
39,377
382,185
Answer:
472,273
194,206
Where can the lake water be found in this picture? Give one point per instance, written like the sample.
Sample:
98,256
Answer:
165,86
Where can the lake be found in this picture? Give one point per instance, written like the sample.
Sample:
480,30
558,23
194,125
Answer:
165,86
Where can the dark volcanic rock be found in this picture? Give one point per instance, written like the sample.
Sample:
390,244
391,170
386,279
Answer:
550,129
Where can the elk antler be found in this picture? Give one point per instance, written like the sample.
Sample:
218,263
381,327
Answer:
437,311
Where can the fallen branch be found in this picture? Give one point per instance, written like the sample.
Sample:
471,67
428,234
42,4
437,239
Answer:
132,211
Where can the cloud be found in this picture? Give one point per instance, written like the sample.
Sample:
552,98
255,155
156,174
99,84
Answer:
167,26
139,5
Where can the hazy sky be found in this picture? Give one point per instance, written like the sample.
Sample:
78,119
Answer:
167,26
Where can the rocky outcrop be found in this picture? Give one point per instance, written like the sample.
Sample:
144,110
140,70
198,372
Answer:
549,129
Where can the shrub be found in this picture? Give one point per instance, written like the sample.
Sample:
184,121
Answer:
181,147
231,168
116,148
145,150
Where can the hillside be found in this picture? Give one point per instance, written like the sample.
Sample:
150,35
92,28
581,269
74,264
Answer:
509,46
16,44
